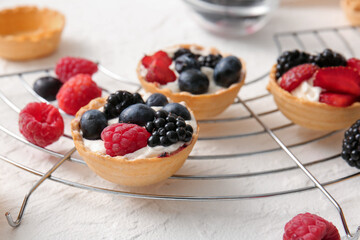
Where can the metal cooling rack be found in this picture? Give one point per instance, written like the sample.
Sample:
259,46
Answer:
286,40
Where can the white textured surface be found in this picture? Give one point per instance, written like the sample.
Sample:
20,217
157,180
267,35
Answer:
117,33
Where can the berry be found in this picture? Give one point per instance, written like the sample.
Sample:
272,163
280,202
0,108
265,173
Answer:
337,99
351,147
68,67
41,123
160,56
180,52
210,60
310,227
47,87
164,131
159,72
338,80
354,63
178,109
92,123
157,99
76,93
118,101
185,62
123,138
227,71
328,58
290,59
193,81
138,114
295,76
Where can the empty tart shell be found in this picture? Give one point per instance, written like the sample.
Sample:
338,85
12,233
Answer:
119,170
352,10
29,32
205,105
313,115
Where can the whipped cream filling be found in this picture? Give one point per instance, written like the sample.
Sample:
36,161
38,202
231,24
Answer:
145,152
174,86
307,91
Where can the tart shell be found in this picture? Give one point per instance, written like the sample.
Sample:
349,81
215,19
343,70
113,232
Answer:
313,115
28,32
204,106
351,9
119,170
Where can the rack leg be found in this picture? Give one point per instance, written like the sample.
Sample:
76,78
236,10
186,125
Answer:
17,222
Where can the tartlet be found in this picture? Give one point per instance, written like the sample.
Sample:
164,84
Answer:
205,105
27,32
313,115
352,10
119,170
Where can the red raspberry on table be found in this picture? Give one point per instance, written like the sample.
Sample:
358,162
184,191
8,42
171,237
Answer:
123,138
309,226
159,72
41,123
296,75
68,67
76,93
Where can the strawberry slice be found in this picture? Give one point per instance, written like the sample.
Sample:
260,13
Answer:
337,99
296,75
338,80
159,55
354,63
159,72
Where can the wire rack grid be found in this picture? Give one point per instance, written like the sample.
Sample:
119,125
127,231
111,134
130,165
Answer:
255,118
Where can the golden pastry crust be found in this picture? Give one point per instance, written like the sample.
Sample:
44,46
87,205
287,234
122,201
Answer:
204,106
352,10
28,32
313,115
119,170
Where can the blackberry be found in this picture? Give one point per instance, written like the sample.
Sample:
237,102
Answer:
351,147
118,101
168,128
290,59
209,60
328,58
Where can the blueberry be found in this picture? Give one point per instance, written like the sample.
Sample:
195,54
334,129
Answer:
185,62
180,52
138,114
178,109
193,81
92,123
157,99
47,87
227,71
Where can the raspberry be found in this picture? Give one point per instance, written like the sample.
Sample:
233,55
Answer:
123,138
68,67
308,226
76,93
41,123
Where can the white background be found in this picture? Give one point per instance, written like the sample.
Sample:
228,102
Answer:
118,33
